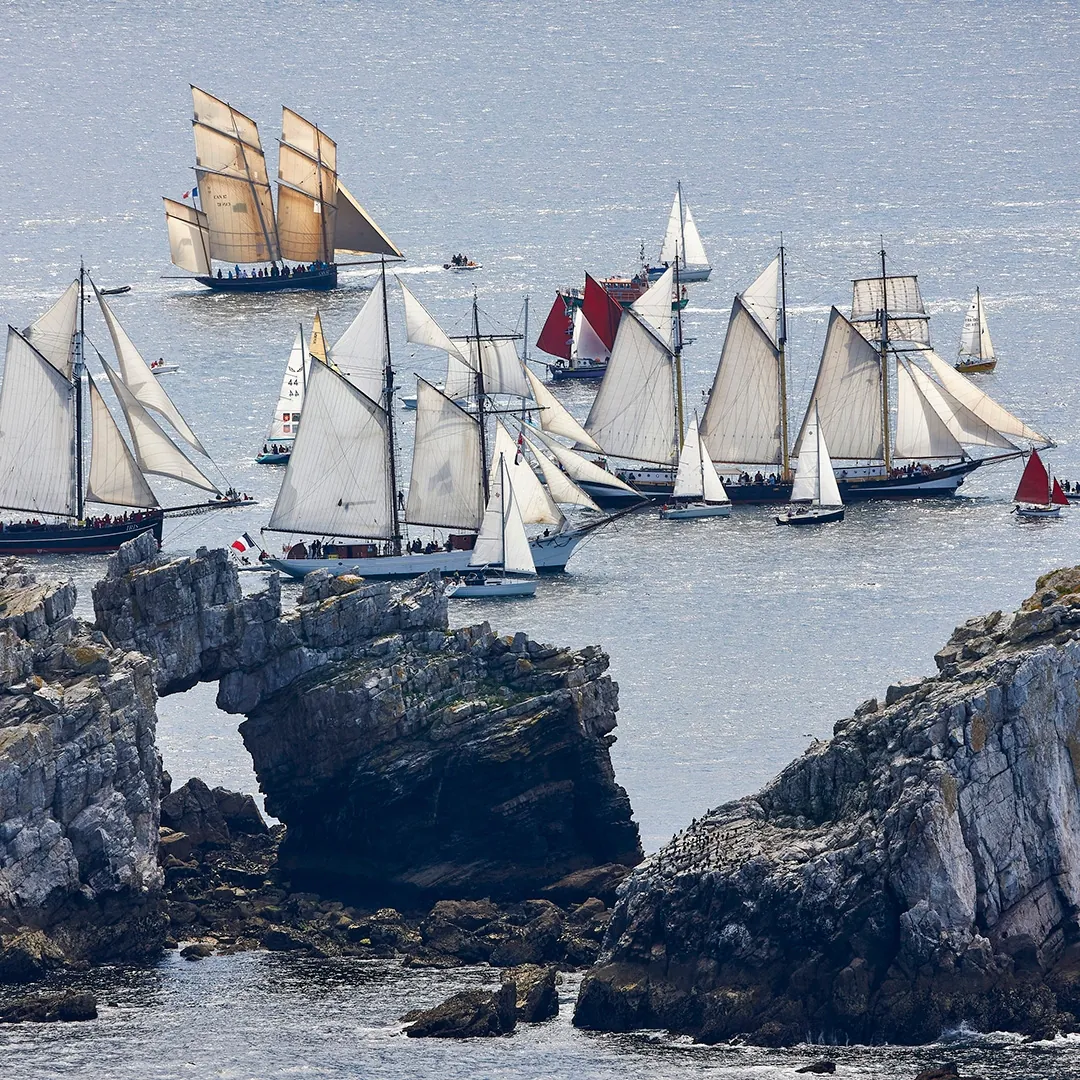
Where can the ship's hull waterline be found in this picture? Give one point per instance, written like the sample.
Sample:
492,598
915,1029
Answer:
550,554
60,539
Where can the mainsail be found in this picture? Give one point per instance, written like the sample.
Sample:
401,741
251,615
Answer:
115,477
338,479
360,354
286,420
975,337
307,190
602,313
654,306
633,415
815,480
53,334
502,541
682,240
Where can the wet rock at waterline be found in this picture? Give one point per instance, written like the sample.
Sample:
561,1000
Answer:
918,871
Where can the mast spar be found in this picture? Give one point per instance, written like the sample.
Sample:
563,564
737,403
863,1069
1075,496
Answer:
480,397
678,352
785,452
77,374
391,454
886,438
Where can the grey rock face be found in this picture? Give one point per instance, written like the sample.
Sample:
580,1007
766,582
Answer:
919,870
79,784
468,1015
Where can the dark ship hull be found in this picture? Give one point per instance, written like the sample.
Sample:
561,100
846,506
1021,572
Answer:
314,279
23,538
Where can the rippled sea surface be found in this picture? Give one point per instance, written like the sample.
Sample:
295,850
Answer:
546,141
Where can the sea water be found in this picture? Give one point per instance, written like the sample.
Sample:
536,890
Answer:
545,141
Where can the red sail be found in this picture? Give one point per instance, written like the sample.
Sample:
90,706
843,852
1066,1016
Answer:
1035,483
602,312
558,332
1057,495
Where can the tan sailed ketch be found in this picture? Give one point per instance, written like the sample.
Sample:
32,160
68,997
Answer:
233,221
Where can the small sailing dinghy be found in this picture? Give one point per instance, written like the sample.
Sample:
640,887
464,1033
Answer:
815,481
501,563
976,354
286,422
1038,494
698,492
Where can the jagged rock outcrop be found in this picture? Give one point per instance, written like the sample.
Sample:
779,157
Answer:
409,761
79,787
919,870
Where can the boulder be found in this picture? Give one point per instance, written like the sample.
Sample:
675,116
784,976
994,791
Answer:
918,871
537,992
467,1015
193,810
50,1009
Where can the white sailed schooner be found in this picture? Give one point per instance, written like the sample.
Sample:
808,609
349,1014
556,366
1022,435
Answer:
815,482
698,491
342,480
44,471
682,247
976,353
501,545
235,223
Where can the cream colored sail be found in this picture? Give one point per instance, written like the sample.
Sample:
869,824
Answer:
307,198
673,243
920,431
502,541
317,341
291,397
654,306
908,320
140,380
306,137
577,467
503,370
240,218
554,418
847,394
218,114
420,327
115,477
975,337
694,248
357,233
963,424
338,479
534,502
980,403
815,481
154,450
360,353
741,424
633,415
560,486
53,334
445,489
37,433
689,480
763,298
189,237
217,152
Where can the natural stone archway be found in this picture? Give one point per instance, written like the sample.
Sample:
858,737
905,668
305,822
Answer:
409,761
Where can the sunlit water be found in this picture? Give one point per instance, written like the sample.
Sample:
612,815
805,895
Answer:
545,141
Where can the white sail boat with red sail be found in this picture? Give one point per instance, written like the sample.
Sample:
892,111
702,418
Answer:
1038,494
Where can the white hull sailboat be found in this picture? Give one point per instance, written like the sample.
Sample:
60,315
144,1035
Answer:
815,482
500,565
976,353
286,422
698,491
682,246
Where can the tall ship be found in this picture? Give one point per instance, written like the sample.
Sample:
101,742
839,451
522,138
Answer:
47,477
900,422
232,221
342,490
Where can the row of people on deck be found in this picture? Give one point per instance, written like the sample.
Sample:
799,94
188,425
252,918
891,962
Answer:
460,260
102,522
274,271
276,448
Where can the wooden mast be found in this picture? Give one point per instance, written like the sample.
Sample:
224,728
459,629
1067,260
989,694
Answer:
785,452
388,392
77,373
886,437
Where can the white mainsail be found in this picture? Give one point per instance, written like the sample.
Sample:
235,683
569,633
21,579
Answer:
654,306
140,380
688,480
154,450
284,426
37,442
535,504
338,479
815,480
559,485
962,423
360,353
554,417
633,415
694,249
847,394
446,487
672,246
53,334
189,237
921,433
975,337
741,424
577,467
907,321
763,298
681,238
115,477
980,403
501,540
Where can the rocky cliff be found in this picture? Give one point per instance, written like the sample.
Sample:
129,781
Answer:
409,761
919,870
79,787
